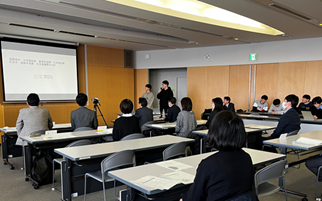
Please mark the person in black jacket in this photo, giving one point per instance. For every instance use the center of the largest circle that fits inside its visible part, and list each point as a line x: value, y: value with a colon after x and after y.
x: 165, y: 93
x: 143, y: 113
x: 126, y: 124
x: 173, y: 110
x: 289, y: 121
x: 228, y: 105
x: 229, y: 172
x: 217, y: 106
x: 316, y: 109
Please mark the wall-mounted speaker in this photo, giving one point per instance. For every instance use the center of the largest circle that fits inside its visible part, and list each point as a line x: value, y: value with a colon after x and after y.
x: 128, y: 59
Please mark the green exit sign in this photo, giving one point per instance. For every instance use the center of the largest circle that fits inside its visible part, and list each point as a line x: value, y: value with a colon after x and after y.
x: 253, y: 57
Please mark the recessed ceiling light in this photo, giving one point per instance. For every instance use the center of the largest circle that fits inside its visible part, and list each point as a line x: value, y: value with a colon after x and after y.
x: 200, y: 12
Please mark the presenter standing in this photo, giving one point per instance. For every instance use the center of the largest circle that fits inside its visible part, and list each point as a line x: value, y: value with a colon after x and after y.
x: 165, y: 93
x: 148, y: 95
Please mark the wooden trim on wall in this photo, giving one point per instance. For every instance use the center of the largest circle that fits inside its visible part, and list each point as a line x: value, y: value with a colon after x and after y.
x: 141, y: 78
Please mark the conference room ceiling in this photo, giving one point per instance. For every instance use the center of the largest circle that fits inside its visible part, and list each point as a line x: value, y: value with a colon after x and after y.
x: 103, y: 23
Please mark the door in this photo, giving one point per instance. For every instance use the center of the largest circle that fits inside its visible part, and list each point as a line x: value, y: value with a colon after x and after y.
x: 181, y: 90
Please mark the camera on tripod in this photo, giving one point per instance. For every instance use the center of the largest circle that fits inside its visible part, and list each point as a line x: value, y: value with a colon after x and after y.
x: 95, y: 101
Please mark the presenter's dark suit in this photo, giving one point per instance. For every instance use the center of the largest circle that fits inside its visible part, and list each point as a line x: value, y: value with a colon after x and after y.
x: 173, y: 112
x: 231, y: 107
x: 289, y: 121
x: 144, y: 114
x: 83, y: 117
x: 164, y: 97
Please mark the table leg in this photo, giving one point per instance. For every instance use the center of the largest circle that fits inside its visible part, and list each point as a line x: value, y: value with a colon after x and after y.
x: 281, y: 184
x: 66, y: 182
x: 130, y: 194
x: 201, y: 143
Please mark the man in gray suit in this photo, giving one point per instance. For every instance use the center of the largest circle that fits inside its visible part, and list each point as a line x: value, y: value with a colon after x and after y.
x: 33, y: 118
x: 83, y: 117
x: 143, y: 113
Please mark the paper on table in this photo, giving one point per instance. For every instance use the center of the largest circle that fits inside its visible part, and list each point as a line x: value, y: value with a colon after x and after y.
x: 174, y: 165
x: 107, y: 131
x: 258, y: 126
x: 182, y: 177
x: 307, y: 141
x: 156, y: 182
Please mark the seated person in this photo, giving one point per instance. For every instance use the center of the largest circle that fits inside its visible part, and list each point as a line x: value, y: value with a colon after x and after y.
x: 32, y: 119
x: 144, y: 113
x: 173, y: 110
x: 306, y: 104
x: 83, y: 117
x: 260, y: 105
x: 316, y: 109
x: 186, y: 120
x: 228, y: 172
x: 289, y: 121
x: 276, y: 106
x: 228, y: 105
x: 127, y: 124
x: 217, y: 106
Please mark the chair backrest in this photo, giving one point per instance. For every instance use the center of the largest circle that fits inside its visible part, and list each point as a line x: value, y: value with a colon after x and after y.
x: 83, y: 129
x: 144, y: 128
x: 248, y: 196
x: 293, y: 133
x: 175, y: 150
x: 133, y: 136
x: 117, y: 160
x: 39, y: 132
x: 273, y: 171
x: 79, y: 143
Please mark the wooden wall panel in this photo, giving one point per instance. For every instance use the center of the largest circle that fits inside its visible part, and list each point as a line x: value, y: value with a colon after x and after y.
x: 196, y: 89
x: 217, y: 83
x: 111, y: 85
x: 312, y: 79
x: 266, y: 82
x: 239, y: 86
x: 291, y: 77
x: 105, y: 57
x: 141, y: 78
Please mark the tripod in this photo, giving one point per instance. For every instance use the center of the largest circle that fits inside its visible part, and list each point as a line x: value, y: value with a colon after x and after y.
x: 95, y: 109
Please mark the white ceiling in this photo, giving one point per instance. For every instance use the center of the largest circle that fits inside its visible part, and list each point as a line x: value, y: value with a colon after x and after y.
x: 124, y: 27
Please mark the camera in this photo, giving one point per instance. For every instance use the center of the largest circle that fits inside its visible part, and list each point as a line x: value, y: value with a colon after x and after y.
x: 95, y: 100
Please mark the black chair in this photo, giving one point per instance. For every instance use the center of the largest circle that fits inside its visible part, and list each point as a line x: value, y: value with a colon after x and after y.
x: 60, y: 160
x: 175, y: 150
x: 133, y: 136
x: 118, y: 160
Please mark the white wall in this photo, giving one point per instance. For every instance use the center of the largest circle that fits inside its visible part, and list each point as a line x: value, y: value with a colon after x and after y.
x: 268, y: 52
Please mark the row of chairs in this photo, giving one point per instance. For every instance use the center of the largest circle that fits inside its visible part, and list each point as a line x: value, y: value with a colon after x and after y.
x: 118, y: 160
x: 127, y: 158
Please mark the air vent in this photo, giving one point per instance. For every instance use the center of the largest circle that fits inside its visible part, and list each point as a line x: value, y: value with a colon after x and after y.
x: 128, y: 41
x: 77, y: 34
x: 128, y: 59
x: 290, y: 11
x: 30, y: 27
